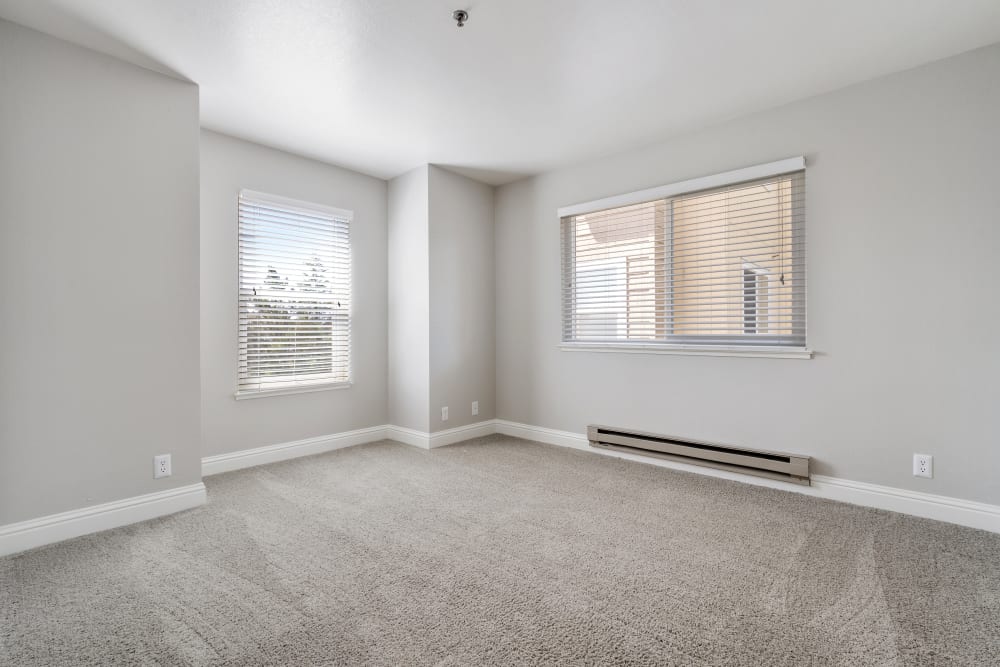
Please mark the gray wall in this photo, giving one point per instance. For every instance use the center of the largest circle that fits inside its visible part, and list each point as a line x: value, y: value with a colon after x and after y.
x: 227, y: 166
x: 441, y: 300
x: 98, y: 277
x: 462, y: 307
x: 409, y: 301
x: 903, y: 245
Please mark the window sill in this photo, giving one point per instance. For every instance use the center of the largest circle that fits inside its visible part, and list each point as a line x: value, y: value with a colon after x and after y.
x: 692, y: 350
x: 304, y: 389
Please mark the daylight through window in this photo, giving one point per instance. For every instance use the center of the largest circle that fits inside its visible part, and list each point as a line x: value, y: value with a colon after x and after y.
x: 718, y: 267
x: 294, y: 295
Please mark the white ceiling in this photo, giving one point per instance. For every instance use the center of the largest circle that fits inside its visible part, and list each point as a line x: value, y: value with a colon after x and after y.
x: 382, y: 86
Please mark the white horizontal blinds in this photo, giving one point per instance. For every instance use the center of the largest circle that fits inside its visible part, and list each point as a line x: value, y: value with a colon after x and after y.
x: 294, y: 294
x: 719, y: 267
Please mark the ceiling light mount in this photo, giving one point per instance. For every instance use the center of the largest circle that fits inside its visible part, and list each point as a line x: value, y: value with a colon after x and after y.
x: 460, y: 16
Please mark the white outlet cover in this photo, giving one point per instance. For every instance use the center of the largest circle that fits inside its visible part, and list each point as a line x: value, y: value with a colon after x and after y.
x: 161, y: 466
x: 444, y: 413
x: 923, y: 465
x: 475, y: 408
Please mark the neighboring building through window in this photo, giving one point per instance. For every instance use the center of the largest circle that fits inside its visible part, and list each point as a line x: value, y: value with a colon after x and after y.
x: 599, y: 317
x: 723, y: 266
x: 294, y: 295
x: 755, y: 298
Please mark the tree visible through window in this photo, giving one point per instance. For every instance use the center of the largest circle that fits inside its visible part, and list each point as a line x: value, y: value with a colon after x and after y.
x: 295, y: 289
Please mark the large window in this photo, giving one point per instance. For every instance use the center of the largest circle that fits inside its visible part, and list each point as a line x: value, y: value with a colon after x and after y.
x: 716, y: 263
x: 294, y: 296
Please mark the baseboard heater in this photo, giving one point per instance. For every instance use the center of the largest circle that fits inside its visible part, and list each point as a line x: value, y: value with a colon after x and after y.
x: 763, y: 463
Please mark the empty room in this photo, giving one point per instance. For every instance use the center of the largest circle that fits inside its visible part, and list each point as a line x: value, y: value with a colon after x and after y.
x: 499, y: 332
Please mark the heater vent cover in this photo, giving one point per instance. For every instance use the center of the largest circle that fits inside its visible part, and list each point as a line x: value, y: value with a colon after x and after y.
x: 763, y: 463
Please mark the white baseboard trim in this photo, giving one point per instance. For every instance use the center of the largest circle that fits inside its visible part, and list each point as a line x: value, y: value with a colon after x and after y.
x: 930, y: 506
x: 546, y: 435
x: 16, y: 537
x: 460, y: 433
x: 38, y: 532
x: 248, y: 458
x: 409, y: 436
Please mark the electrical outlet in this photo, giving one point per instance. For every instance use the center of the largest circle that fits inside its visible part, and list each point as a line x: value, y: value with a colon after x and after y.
x: 161, y: 466
x: 923, y: 465
x: 444, y: 413
x: 475, y: 408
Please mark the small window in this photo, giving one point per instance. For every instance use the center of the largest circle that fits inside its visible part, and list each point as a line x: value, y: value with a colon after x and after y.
x: 717, y: 267
x: 294, y: 296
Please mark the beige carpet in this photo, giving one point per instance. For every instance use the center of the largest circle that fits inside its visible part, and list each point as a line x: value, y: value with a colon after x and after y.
x: 500, y: 551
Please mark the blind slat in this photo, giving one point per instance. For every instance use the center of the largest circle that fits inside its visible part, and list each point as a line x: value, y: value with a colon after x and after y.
x: 723, y: 266
x: 294, y: 294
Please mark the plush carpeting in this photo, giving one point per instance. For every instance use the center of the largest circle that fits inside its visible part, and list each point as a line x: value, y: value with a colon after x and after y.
x: 501, y: 551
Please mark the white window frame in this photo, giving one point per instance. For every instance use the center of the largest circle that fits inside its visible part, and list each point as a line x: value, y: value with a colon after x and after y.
x: 720, y: 180
x: 305, y: 386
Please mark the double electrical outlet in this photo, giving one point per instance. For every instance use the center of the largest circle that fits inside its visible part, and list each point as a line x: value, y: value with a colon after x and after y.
x: 161, y: 466
x: 444, y: 411
x: 923, y: 465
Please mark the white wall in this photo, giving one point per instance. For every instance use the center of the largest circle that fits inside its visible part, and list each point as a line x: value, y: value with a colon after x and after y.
x: 462, y: 300
x: 98, y: 277
x: 903, y: 244
x: 227, y: 166
x: 409, y: 301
